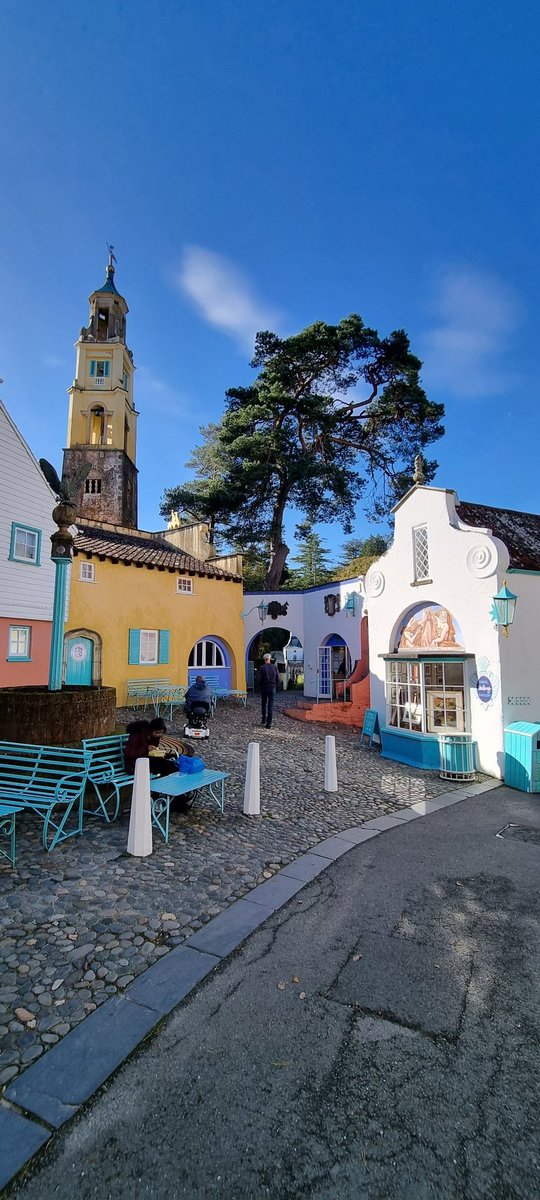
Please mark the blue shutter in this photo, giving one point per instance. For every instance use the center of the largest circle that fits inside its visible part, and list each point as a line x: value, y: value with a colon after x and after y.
x: 163, y: 653
x: 134, y: 646
x: 106, y: 367
x: 92, y: 366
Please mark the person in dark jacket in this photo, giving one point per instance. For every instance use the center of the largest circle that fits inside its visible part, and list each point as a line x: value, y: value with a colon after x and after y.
x: 267, y: 682
x: 198, y: 693
x: 142, y: 737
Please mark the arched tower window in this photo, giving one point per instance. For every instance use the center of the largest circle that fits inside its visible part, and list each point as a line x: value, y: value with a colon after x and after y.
x: 97, y: 426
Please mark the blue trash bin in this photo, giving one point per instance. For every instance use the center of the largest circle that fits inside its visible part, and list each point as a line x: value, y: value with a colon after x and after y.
x: 522, y: 756
x: 457, y: 753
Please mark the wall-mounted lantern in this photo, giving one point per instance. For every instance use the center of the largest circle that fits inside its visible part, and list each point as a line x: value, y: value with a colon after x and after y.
x: 262, y: 610
x: 504, y: 607
x: 352, y: 604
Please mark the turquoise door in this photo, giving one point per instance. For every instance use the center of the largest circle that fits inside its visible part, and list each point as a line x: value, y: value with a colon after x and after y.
x: 79, y: 661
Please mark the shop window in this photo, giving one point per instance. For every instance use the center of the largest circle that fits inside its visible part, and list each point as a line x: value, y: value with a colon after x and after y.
x: 426, y: 697
x: 421, y: 553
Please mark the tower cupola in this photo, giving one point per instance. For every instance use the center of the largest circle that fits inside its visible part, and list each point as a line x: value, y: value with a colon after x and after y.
x: 102, y: 422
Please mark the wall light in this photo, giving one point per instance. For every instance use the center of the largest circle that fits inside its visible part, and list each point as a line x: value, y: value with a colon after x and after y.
x: 504, y: 607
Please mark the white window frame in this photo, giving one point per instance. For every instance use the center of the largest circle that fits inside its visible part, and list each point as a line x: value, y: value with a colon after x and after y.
x: 147, y: 656
x: 19, y: 642
x: 416, y: 703
x: 27, y: 532
x: 197, y: 657
x: 184, y: 586
x: 87, y: 572
x: 420, y: 551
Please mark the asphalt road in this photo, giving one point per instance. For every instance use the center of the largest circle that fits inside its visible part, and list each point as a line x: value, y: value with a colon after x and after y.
x: 399, y: 1059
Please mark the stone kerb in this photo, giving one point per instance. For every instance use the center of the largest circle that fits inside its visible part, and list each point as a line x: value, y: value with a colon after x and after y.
x: 33, y: 714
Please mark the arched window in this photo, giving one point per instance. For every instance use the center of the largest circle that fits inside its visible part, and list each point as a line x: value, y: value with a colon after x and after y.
x: 97, y: 426
x: 206, y: 653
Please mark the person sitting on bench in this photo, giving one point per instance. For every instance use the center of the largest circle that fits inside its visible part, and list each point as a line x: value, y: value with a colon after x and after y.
x: 143, y: 738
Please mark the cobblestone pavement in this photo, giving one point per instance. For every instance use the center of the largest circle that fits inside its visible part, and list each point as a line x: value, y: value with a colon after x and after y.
x: 77, y: 925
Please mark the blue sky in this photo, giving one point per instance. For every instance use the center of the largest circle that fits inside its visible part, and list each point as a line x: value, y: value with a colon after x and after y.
x: 268, y: 164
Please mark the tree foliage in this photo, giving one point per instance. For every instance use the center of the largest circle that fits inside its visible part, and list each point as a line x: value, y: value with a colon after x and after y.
x: 311, y: 559
x: 335, y: 415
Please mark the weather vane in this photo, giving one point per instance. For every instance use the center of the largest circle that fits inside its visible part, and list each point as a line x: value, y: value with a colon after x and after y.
x: 112, y: 255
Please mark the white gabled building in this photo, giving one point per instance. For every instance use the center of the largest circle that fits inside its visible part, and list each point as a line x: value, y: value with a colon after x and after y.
x: 439, y: 663
x: 26, y: 570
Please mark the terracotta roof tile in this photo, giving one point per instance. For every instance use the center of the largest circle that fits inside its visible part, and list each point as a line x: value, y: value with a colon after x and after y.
x: 519, y: 531
x: 149, y: 551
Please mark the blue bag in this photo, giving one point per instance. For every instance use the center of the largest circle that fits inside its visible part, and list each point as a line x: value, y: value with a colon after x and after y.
x: 190, y: 766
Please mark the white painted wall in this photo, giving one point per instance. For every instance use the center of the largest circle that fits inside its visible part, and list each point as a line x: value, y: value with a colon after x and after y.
x: 467, y: 568
x: 26, y: 591
x: 307, y: 619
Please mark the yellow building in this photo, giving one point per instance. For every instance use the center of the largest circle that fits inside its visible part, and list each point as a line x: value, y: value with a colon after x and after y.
x: 143, y: 606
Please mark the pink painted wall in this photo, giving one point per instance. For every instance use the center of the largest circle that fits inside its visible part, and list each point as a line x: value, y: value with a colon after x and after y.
x: 16, y: 674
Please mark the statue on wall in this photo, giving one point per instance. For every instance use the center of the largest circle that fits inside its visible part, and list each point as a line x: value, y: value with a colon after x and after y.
x: 332, y: 604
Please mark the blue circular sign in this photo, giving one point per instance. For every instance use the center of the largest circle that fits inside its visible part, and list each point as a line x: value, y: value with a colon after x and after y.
x: 484, y: 689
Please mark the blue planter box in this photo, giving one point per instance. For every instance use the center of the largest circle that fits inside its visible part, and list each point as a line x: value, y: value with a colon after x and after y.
x: 414, y: 749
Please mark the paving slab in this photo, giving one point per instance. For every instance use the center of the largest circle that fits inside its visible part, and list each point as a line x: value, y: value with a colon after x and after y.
x: 222, y: 935
x: 275, y: 892
x: 307, y: 866
x: 359, y: 833
x: 55, y: 1086
x: 168, y: 981
x: 383, y: 822
x: 332, y: 848
x: 19, y: 1140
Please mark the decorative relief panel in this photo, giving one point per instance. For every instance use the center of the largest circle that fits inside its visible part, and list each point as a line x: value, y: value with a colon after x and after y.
x: 482, y: 560
x: 375, y: 583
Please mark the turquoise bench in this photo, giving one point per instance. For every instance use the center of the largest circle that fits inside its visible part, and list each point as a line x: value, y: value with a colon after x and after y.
x: 107, y: 773
x: 222, y: 694
x: 8, y: 813
x: 48, y: 780
x: 140, y: 692
x: 171, y: 786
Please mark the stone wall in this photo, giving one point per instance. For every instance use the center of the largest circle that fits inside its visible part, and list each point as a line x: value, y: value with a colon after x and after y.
x: 33, y: 714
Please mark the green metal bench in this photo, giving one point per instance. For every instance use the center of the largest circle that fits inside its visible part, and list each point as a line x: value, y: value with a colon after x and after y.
x: 48, y: 780
x: 141, y: 692
x: 108, y: 775
x: 8, y: 813
x: 169, y: 787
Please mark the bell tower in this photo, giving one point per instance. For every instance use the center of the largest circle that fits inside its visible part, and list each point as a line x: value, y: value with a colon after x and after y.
x: 102, y: 422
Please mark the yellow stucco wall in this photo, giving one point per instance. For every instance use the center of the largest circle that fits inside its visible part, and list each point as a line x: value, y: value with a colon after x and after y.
x: 130, y: 597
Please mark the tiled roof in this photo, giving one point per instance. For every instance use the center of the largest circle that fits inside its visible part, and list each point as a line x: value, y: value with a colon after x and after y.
x: 519, y: 531
x: 151, y: 551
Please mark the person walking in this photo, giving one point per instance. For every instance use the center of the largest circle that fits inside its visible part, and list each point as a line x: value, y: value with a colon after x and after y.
x: 267, y: 682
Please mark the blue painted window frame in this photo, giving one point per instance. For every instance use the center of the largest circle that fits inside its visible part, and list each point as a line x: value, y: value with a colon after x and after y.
x: 134, y: 647
x: 20, y: 657
x: 106, y: 367
x: 17, y: 526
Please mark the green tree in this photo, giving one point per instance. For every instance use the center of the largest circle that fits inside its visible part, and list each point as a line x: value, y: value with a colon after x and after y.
x: 336, y: 414
x: 355, y: 548
x: 208, y: 496
x: 312, y: 560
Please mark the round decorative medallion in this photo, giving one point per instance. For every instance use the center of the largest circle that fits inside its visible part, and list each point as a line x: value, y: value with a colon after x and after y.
x: 79, y: 652
x: 375, y: 582
x: 482, y: 560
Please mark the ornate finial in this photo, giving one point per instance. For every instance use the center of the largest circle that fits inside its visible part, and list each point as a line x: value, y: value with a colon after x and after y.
x: 419, y: 476
x: 112, y: 259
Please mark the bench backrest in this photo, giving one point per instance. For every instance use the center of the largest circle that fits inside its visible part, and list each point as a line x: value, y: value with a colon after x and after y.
x: 105, y: 751
x: 23, y: 764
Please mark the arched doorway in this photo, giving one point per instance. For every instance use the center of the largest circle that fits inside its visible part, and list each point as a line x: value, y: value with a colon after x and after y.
x: 211, y: 657
x: 82, y: 658
x: 334, y: 665
x: 287, y: 652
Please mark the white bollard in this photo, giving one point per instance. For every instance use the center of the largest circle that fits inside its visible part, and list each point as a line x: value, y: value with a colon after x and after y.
x: 252, y: 790
x: 330, y: 769
x: 140, y: 821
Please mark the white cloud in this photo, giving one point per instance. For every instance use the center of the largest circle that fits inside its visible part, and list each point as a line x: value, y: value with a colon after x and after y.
x: 476, y: 315
x: 224, y: 296
x: 157, y: 396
